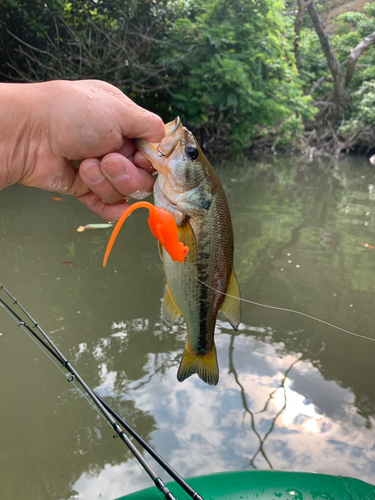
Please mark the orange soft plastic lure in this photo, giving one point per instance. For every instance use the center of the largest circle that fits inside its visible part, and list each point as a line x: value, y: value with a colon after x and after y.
x: 163, y: 227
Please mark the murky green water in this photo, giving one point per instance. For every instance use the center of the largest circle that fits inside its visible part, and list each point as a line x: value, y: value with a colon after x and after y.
x: 293, y: 393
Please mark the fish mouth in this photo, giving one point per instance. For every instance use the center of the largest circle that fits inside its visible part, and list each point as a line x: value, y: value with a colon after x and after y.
x: 156, y: 152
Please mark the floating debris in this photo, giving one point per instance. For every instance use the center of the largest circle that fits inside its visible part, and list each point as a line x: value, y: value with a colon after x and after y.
x: 103, y: 225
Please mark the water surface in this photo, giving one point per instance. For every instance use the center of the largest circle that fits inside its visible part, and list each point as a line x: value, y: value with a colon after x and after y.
x: 293, y: 394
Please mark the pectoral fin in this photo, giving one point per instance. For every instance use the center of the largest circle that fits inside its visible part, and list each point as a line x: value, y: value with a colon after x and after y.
x: 204, y: 365
x: 231, y: 307
x: 169, y: 309
x: 187, y: 236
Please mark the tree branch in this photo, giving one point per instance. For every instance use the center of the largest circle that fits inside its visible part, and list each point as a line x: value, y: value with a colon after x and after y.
x: 318, y: 83
x: 334, y: 66
x: 292, y: 8
x: 355, y: 54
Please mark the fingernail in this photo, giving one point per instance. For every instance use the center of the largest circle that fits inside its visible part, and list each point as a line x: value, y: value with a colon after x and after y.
x: 115, y: 170
x: 93, y: 172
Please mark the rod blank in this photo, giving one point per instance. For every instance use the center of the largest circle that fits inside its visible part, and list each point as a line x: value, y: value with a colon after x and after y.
x: 115, y: 420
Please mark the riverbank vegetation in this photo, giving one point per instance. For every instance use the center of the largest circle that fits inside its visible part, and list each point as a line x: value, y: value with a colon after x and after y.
x: 265, y: 74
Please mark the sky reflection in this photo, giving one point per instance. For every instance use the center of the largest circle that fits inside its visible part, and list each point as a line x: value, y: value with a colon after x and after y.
x: 271, y: 411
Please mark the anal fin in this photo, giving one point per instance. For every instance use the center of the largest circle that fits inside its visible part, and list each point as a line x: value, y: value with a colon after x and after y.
x: 231, y: 307
x: 169, y: 309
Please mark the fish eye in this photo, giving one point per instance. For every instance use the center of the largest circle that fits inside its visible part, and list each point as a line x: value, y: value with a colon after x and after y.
x: 192, y: 152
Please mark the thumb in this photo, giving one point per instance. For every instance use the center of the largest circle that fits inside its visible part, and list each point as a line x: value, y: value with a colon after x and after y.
x: 136, y: 122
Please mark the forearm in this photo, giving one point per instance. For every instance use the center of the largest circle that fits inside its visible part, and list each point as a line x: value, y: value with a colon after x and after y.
x: 20, y: 125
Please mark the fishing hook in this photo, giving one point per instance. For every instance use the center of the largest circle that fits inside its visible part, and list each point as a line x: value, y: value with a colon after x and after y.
x: 160, y: 152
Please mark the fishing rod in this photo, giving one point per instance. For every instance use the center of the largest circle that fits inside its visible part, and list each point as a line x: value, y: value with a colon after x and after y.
x: 115, y: 421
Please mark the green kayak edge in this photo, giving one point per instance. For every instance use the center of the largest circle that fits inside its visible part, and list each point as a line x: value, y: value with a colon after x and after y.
x: 266, y: 485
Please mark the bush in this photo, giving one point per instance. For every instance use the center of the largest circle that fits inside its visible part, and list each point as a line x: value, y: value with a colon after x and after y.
x: 237, y: 70
x: 359, y: 130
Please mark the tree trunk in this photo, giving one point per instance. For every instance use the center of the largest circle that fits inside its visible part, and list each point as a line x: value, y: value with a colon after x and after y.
x: 334, y: 67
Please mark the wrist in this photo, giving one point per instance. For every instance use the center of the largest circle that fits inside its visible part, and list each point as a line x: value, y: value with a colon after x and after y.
x: 21, y: 125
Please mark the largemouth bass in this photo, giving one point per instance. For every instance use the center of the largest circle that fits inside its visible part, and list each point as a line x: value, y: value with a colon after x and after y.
x: 205, y: 283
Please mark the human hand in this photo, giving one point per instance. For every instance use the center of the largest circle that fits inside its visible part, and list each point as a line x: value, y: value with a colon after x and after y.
x: 92, y: 122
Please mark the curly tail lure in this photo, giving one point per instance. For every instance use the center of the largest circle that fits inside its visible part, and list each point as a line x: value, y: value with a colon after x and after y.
x: 162, y: 226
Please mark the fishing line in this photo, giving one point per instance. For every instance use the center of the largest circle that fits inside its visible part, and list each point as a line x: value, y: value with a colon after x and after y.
x: 22, y: 325
x: 100, y: 406
x: 286, y: 310
x: 24, y: 328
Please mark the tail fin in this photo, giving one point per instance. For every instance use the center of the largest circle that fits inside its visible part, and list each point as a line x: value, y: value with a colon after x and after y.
x: 204, y: 365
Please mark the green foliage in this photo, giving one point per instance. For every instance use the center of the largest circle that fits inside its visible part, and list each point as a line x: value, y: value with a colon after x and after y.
x: 360, y: 22
x: 227, y: 68
x: 234, y: 69
x: 370, y: 9
x: 360, y: 128
x: 113, y: 41
x: 290, y: 132
x: 27, y: 20
x: 311, y: 61
x: 353, y: 28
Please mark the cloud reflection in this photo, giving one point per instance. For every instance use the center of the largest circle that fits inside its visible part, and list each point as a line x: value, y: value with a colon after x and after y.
x: 269, y: 411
